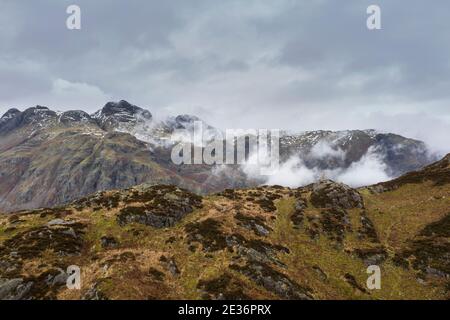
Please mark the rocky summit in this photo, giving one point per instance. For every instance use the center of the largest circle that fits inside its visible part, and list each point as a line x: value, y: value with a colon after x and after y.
x: 51, y: 158
x: 268, y: 242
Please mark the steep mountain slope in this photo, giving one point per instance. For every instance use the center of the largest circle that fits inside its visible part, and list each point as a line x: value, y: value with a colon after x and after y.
x: 50, y: 158
x: 162, y: 242
x: 331, y: 150
x: 438, y: 173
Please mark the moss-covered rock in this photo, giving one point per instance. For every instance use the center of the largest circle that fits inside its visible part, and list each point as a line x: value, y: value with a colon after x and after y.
x: 163, y: 206
x: 66, y: 240
x: 429, y: 251
x: 329, y: 194
x: 208, y: 233
x: 335, y: 222
x: 299, y: 212
x: 255, y: 223
x: 272, y: 280
x: 367, y: 229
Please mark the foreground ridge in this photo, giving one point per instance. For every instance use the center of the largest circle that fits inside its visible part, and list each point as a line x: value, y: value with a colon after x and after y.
x: 268, y: 242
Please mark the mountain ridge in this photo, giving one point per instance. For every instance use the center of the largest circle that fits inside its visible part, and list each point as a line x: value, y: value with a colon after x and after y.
x: 72, y: 154
x: 268, y: 242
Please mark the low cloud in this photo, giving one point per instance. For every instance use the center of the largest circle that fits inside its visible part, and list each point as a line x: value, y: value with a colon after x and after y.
x: 324, y: 149
x: 292, y: 173
x: 370, y: 169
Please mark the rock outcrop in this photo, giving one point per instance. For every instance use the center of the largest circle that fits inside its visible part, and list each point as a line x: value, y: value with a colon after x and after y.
x: 329, y: 194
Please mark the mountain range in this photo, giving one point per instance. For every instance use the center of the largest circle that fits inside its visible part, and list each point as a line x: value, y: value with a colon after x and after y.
x: 51, y: 158
x: 100, y: 192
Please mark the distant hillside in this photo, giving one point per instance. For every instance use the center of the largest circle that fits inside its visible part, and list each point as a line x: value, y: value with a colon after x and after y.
x: 50, y: 158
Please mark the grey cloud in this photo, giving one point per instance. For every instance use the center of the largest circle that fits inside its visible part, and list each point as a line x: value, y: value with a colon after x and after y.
x: 413, y: 42
x: 287, y: 64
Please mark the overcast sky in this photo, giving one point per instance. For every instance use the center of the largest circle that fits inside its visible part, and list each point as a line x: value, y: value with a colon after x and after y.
x: 299, y: 65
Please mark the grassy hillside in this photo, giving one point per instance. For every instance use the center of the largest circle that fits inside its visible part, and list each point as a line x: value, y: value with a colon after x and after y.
x: 162, y: 242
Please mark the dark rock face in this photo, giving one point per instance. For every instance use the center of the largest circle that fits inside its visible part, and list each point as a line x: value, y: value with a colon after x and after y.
x: 258, y: 261
x: 37, y: 114
x: 146, y: 215
x: 14, y: 119
x: 75, y: 116
x: 258, y: 258
x: 44, y: 286
x: 208, y: 233
x: 273, y: 281
x: 11, y: 113
x: 402, y: 155
x: 63, y: 240
x: 329, y: 194
x: 113, y: 108
x: 260, y: 251
x: 335, y: 222
x: 114, y: 114
x: 256, y: 224
x: 164, y: 207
